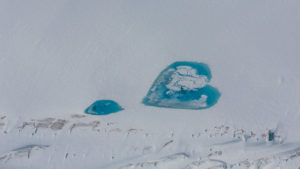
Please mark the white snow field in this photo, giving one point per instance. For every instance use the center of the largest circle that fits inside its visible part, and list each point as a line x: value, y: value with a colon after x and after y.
x: 59, y: 56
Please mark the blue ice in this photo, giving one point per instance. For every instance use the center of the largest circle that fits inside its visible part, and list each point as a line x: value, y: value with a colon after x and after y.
x: 103, y: 107
x: 183, y: 85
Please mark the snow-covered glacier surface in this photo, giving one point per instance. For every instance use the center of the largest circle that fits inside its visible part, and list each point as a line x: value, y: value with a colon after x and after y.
x: 59, y: 56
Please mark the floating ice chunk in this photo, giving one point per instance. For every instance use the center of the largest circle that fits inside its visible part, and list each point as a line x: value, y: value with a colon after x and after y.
x: 103, y: 107
x: 183, y: 85
x: 186, y: 78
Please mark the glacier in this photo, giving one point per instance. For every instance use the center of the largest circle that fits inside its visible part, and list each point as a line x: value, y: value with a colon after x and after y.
x: 57, y: 57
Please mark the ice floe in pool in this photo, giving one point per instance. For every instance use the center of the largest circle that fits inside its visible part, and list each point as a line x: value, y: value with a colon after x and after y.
x: 183, y: 85
x: 103, y: 107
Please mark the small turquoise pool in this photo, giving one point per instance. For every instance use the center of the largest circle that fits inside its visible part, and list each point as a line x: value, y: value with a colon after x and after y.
x: 183, y: 85
x: 103, y: 107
